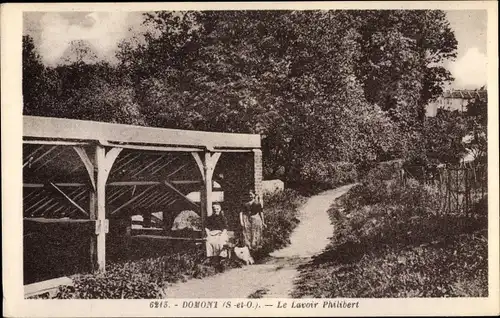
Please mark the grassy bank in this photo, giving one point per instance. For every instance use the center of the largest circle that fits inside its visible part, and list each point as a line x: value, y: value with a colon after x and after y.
x: 281, y: 217
x: 389, y: 241
x: 152, y: 266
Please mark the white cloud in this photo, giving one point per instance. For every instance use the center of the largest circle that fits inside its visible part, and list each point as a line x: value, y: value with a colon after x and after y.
x: 470, y: 71
x: 102, y: 30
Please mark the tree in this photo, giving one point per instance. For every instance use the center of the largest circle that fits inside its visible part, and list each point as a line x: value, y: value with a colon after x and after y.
x: 80, y: 87
x: 284, y: 74
x: 477, y: 125
x: 40, y: 84
x: 444, y: 136
x: 401, y: 62
x: 321, y: 87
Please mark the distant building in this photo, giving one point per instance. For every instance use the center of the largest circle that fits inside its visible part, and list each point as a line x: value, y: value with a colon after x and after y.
x: 455, y: 100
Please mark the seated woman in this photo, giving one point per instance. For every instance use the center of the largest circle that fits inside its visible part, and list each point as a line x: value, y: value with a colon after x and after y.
x: 216, y: 229
x: 216, y: 221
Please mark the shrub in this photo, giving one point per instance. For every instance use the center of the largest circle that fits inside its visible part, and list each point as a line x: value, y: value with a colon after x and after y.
x: 457, y: 269
x: 321, y: 175
x: 391, y: 241
x: 143, y: 279
x: 280, y: 213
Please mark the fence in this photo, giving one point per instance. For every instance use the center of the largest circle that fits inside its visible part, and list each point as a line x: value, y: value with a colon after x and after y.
x: 458, y: 187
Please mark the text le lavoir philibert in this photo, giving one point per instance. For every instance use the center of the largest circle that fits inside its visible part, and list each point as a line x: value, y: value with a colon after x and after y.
x: 318, y: 304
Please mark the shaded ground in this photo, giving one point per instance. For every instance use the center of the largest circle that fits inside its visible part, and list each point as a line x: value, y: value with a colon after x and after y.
x: 274, y: 278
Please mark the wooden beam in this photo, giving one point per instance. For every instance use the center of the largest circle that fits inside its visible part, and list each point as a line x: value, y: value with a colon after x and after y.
x: 124, y: 205
x: 214, y: 158
x: 47, y: 286
x: 167, y: 238
x: 166, y: 200
x: 87, y: 163
x: 152, y: 148
x: 113, y: 184
x: 199, y: 163
x: 28, y: 162
x: 100, y: 213
x: 123, y: 165
x: 147, y: 166
x: 43, y: 155
x: 164, y: 165
x: 161, y: 197
x: 34, y: 205
x: 147, y: 197
x: 59, y: 184
x: 46, y: 220
x: 209, y: 167
x: 110, y: 158
x: 179, y: 193
x: 77, y: 130
x: 54, y: 142
x: 79, y: 208
x: 38, y: 208
x: 177, y: 170
x: 186, y: 181
x: 93, y: 238
x: 32, y: 199
x: 116, y: 194
x: 217, y: 149
x: 31, y: 156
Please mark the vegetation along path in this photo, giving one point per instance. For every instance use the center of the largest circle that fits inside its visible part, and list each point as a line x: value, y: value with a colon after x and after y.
x: 275, y: 277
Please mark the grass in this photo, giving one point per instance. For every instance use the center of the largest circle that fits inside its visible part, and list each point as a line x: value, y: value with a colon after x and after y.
x: 390, y: 242
x: 281, y: 216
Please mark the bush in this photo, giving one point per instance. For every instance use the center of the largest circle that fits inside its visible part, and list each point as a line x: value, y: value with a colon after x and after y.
x: 457, y: 269
x: 322, y: 175
x: 391, y: 240
x: 143, y: 279
x: 280, y: 213
x: 147, y: 278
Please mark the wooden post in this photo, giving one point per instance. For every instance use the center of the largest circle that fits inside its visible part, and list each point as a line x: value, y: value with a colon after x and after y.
x: 206, y: 164
x: 93, y: 238
x: 257, y: 174
x: 207, y: 190
x: 103, y: 163
x: 100, y: 158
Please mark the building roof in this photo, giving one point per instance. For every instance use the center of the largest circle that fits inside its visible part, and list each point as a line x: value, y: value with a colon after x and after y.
x: 70, y: 129
x: 465, y: 94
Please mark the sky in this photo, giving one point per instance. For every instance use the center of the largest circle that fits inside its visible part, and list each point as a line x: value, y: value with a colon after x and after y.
x: 54, y: 31
x: 470, y: 67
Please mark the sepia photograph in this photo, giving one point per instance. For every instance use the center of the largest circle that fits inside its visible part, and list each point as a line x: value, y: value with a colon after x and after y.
x: 215, y: 158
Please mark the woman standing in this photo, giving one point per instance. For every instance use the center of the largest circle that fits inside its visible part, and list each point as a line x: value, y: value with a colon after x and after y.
x: 252, y: 222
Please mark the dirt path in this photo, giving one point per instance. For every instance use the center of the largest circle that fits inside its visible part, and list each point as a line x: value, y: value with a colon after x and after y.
x: 274, y: 278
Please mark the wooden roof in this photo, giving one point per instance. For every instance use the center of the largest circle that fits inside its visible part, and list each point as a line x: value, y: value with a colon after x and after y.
x: 81, y: 130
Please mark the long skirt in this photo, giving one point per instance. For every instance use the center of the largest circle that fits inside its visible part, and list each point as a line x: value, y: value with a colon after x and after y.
x: 252, y: 231
x: 216, y: 240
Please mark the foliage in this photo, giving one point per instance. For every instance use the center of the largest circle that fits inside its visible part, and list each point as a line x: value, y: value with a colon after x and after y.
x: 390, y: 241
x: 400, y: 67
x: 477, y: 124
x: 316, y: 176
x: 281, y: 217
x: 143, y: 278
x: 434, y: 270
x: 443, y: 137
x: 342, y: 86
x: 145, y: 271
